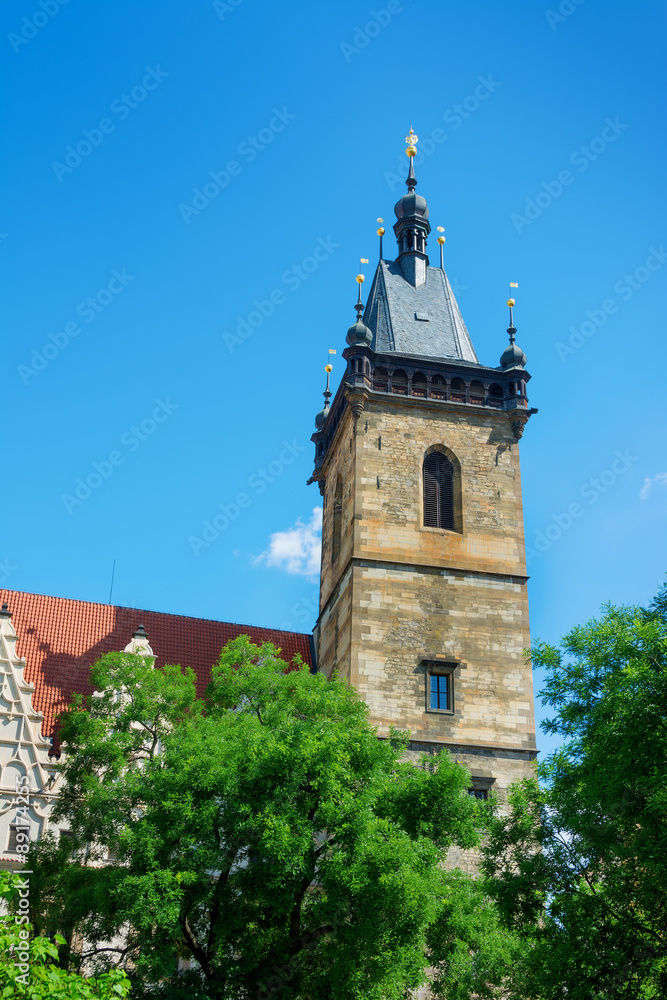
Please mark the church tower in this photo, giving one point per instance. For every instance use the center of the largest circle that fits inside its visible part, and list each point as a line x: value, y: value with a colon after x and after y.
x: 423, y: 604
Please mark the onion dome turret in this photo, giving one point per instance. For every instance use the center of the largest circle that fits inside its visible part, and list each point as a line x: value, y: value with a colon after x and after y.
x: 512, y: 356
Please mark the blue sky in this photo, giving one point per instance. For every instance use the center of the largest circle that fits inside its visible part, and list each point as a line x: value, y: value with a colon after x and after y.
x: 131, y: 301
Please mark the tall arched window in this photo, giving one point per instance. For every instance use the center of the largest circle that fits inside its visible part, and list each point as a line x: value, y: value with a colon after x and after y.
x: 438, y: 491
x: 337, y: 519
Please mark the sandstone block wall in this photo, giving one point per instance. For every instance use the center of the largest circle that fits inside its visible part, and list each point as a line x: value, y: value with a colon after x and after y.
x: 400, y: 594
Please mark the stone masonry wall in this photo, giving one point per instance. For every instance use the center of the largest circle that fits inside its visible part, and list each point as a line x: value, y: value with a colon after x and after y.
x: 401, y: 593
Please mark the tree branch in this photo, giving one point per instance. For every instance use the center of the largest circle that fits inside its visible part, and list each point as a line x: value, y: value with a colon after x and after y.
x: 214, y: 912
x: 327, y: 843
x: 97, y: 951
x: 582, y: 871
x: 256, y: 711
x: 308, y: 938
x: 196, y: 948
x: 295, y: 916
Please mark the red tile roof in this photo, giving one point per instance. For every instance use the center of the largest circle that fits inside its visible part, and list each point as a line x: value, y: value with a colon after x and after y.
x: 61, y: 639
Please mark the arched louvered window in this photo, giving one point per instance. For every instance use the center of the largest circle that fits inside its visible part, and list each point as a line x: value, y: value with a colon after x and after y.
x: 418, y: 384
x: 399, y: 382
x: 476, y: 392
x: 337, y: 519
x: 438, y: 491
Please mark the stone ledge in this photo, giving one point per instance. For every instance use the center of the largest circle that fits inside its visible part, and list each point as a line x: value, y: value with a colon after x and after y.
x: 473, y: 749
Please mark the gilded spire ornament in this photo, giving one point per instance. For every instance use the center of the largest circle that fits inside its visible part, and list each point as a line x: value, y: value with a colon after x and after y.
x: 411, y: 151
x: 321, y: 417
x: 513, y: 356
x: 380, y: 232
x: 441, y: 241
x: 412, y: 141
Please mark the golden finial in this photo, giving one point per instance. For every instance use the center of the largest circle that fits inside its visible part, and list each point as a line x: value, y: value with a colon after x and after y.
x: 441, y: 240
x: 360, y: 279
x: 412, y: 141
x: 380, y: 231
x: 328, y: 369
x: 511, y: 302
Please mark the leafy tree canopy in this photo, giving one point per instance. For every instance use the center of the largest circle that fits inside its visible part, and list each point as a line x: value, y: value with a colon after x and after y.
x: 580, y: 866
x: 29, y: 967
x: 266, y: 837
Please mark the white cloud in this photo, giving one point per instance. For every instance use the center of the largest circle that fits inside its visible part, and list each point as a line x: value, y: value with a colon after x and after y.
x: 659, y: 480
x: 297, y: 549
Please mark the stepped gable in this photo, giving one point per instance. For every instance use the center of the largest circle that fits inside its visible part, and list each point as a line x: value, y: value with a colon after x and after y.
x: 62, y: 638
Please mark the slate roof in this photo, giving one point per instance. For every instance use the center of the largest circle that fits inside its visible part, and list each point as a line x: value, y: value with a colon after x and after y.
x: 391, y: 314
x: 62, y: 638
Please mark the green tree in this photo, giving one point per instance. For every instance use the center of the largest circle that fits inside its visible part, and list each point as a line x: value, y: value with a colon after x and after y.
x: 580, y: 866
x: 268, y: 836
x: 29, y: 967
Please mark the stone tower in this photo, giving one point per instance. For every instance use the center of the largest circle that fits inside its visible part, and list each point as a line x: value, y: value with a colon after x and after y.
x: 423, y: 604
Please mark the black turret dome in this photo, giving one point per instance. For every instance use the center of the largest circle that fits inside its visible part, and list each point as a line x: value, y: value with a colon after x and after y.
x: 411, y: 205
x: 359, y: 335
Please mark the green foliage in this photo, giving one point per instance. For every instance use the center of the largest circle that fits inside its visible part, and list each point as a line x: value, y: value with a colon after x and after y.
x: 28, y: 963
x: 267, y: 835
x: 580, y: 866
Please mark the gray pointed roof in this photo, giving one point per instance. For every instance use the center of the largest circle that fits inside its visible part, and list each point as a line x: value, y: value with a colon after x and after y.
x: 423, y: 321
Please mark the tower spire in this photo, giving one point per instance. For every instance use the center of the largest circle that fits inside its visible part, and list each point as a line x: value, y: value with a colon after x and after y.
x: 441, y: 243
x: 321, y: 417
x: 380, y: 233
x: 358, y: 305
x: 512, y: 356
x: 359, y: 335
x: 412, y: 226
x: 411, y: 151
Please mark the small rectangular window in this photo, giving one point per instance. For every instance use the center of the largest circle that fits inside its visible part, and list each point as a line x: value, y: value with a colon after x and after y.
x: 440, y: 685
x: 481, y: 787
x: 439, y: 691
